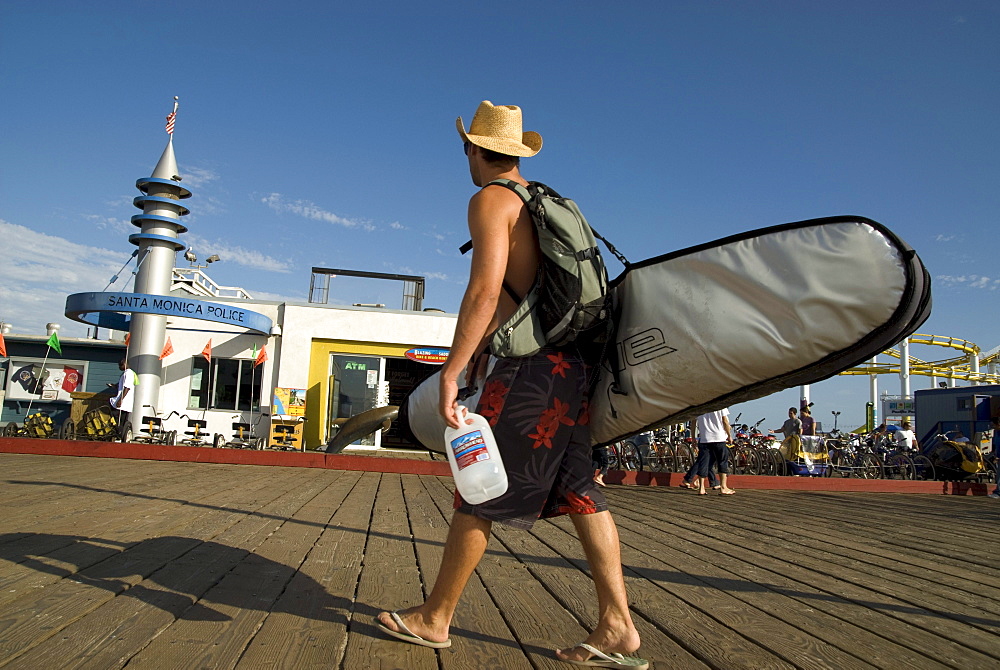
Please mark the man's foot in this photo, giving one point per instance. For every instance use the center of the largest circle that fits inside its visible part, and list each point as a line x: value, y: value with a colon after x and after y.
x: 411, y: 626
x: 599, y: 480
x: 994, y: 495
x: 624, y: 644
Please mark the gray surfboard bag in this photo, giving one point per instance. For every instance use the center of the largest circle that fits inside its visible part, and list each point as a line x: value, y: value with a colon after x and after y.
x: 738, y: 319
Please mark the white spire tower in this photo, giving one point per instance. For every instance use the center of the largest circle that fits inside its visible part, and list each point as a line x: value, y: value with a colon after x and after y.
x: 158, y: 245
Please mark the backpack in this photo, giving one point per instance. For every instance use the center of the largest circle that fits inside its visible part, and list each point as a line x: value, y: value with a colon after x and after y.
x: 568, y: 302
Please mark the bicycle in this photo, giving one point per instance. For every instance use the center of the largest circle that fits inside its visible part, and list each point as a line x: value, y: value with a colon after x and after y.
x: 660, y: 456
x: 243, y: 435
x: 196, y: 436
x: 37, y: 425
x: 98, y: 425
x: 285, y: 435
x: 624, y: 456
x: 853, y: 458
x: 153, y: 433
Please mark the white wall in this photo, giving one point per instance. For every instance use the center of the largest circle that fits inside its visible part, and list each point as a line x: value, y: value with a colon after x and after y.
x: 288, y: 354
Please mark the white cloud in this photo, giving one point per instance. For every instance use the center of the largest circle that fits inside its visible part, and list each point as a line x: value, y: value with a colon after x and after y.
x: 250, y: 258
x: 944, y: 238
x: 971, y: 281
x: 195, y: 177
x: 310, y: 210
x: 396, y: 225
x: 40, y: 270
x: 111, y: 223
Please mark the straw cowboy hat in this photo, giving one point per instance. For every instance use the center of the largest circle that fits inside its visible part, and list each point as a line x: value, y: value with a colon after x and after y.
x: 498, y: 128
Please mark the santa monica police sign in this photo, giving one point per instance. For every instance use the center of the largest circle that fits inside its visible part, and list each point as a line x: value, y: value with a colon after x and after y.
x: 110, y: 310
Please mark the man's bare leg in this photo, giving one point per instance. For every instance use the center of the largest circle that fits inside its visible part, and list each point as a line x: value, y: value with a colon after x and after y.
x: 615, y: 631
x: 464, y: 548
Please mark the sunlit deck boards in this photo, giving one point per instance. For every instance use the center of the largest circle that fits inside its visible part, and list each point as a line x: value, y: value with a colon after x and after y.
x: 107, y: 563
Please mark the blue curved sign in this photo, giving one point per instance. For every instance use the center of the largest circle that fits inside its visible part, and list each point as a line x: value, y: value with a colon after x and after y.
x: 110, y: 310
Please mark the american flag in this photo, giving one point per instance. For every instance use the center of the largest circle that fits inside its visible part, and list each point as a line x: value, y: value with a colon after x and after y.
x: 170, y: 122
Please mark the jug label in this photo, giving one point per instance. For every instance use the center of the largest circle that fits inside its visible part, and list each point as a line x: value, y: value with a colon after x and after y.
x: 469, y: 448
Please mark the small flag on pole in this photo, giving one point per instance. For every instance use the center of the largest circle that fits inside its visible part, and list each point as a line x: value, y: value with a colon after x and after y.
x: 53, y: 342
x: 207, y: 351
x: 128, y: 338
x: 171, y: 117
x: 168, y: 349
x: 261, y: 357
x: 3, y: 346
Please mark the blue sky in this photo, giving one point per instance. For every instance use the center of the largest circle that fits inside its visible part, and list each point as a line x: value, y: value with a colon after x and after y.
x: 313, y: 135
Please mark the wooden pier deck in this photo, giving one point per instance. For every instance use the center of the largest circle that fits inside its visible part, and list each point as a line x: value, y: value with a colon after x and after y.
x: 109, y: 563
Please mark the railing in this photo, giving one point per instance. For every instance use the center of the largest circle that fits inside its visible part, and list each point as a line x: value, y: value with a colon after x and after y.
x: 202, y: 284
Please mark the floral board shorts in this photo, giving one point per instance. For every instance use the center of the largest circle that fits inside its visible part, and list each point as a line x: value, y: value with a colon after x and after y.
x: 537, y: 407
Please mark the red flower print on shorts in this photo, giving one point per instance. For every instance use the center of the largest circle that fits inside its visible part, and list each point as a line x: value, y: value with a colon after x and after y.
x: 561, y: 365
x: 549, y: 422
x: 492, y: 401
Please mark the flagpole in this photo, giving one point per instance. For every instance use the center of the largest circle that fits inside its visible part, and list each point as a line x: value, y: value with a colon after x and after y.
x: 41, y: 375
x: 253, y: 371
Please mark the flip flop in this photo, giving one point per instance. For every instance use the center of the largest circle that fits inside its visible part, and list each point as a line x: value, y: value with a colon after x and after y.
x: 602, y: 660
x: 728, y: 493
x: 406, y: 635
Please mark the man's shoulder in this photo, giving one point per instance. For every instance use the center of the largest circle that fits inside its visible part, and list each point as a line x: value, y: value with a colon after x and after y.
x: 496, y: 193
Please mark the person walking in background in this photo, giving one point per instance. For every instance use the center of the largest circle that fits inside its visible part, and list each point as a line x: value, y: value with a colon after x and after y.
x: 996, y: 455
x: 124, y: 398
x: 714, y: 434
x: 601, y: 462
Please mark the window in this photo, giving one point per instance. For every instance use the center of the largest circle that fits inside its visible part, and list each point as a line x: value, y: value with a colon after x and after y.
x: 232, y: 384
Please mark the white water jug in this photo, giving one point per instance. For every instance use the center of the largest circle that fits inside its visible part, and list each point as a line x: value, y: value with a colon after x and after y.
x: 474, y: 459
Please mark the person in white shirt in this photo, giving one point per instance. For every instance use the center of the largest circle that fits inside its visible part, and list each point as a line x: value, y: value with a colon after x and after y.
x: 904, y: 437
x: 714, y: 433
x: 124, y: 396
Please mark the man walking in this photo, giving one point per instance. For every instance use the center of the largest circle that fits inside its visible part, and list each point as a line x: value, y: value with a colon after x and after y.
x: 535, y: 404
x: 124, y: 398
x: 714, y: 435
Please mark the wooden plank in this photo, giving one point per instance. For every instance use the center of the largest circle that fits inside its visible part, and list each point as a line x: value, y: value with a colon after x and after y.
x: 952, y: 640
x: 541, y: 623
x: 390, y: 578
x: 307, y: 627
x: 951, y: 585
x: 32, y: 618
x: 116, y: 631
x: 481, y: 637
x: 571, y: 584
x: 889, y: 577
x: 42, y: 558
x: 797, y: 604
x: 230, y: 612
x: 676, y: 603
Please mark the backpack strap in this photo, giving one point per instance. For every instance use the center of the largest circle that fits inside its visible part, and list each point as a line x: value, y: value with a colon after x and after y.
x: 513, y: 186
x: 525, y: 196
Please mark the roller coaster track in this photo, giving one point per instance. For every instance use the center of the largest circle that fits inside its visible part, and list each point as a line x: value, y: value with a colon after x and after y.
x: 959, y: 367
